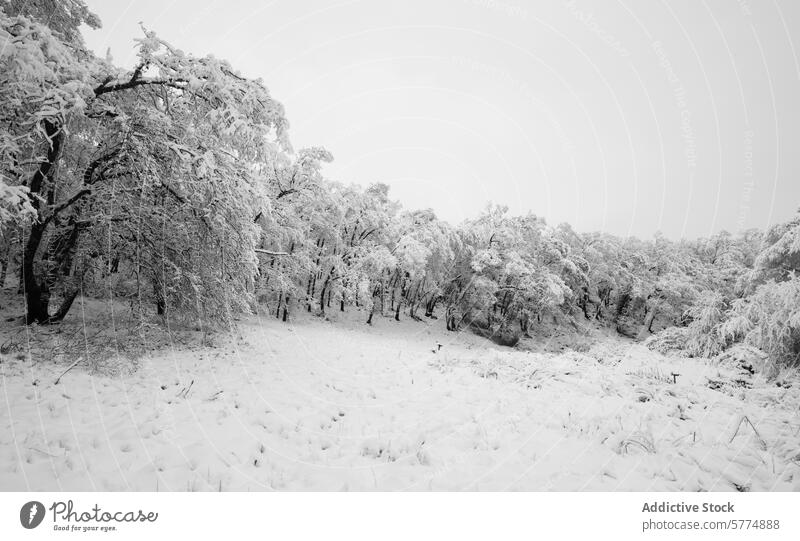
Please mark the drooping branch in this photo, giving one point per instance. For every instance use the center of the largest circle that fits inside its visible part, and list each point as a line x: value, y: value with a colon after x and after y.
x: 67, y: 203
x: 106, y: 87
x: 90, y: 177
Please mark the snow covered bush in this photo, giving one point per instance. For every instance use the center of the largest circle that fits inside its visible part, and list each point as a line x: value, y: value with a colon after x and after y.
x: 769, y: 317
x: 747, y: 359
x: 780, y: 258
x: 769, y: 320
x: 703, y: 334
x: 670, y: 341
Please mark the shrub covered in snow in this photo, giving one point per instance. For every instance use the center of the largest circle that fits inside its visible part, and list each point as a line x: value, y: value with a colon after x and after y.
x: 747, y: 359
x: 703, y: 333
x: 769, y: 320
x: 672, y: 340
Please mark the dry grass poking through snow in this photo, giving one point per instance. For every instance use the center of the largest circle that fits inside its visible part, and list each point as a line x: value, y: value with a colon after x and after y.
x: 323, y: 406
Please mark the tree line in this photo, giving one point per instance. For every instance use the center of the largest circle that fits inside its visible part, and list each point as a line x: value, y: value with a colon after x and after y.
x: 174, y: 185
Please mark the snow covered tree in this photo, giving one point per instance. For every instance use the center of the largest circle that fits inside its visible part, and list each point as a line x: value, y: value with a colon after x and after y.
x: 704, y: 332
x: 64, y: 17
x: 509, y: 271
x: 780, y: 257
x: 769, y: 319
x: 99, y: 149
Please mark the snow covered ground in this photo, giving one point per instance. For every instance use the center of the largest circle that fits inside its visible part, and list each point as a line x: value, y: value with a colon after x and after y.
x: 316, y: 405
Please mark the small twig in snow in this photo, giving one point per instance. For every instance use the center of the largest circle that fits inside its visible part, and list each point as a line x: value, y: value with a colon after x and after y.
x: 44, y: 452
x: 183, y: 393
x: 214, y: 396
x: 70, y: 367
x: 744, y: 418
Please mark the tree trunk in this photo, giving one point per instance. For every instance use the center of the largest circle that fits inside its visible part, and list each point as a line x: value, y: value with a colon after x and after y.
x: 161, y: 304
x: 431, y: 306
x: 37, y: 294
x: 322, y: 297
x: 451, y: 321
x: 66, y: 304
x: 649, y: 319
x: 3, y: 273
x: 376, y: 293
x: 622, y: 303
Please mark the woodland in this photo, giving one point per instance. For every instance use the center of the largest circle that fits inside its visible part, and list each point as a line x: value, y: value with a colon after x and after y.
x: 173, y: 187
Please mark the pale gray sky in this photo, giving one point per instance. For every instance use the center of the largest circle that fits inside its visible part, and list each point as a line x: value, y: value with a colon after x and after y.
x: 617, y: 115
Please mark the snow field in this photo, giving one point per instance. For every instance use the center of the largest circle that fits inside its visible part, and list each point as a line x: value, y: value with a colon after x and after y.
x: 323, y: 406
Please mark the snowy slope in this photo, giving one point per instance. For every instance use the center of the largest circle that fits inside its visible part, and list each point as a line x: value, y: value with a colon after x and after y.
x: 317, y: 405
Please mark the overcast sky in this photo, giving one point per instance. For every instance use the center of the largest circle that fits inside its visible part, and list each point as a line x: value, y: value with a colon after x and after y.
x: 625, y: 116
